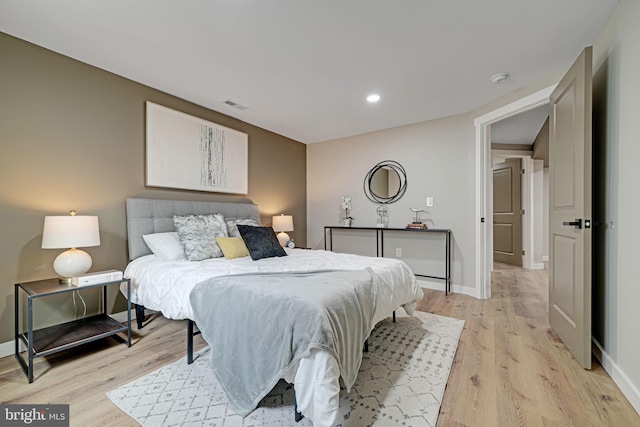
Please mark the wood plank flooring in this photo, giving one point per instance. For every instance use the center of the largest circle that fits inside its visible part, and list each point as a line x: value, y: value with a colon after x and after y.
x: 510, y: 368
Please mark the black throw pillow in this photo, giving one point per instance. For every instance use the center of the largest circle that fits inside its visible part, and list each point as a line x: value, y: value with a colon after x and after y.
x: 261, y: 242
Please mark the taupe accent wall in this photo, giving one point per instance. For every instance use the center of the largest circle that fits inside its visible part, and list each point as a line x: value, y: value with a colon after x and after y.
x: 72, y: 136
x: 541, y: 144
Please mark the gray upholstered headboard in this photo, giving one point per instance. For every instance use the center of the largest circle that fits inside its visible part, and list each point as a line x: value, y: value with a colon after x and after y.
x: 147, y: 216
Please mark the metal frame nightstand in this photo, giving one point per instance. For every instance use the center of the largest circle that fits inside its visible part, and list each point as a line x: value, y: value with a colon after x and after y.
x: 53, y: 339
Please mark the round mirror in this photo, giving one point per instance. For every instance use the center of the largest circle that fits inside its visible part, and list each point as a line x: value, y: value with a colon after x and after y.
x: 386, y: 182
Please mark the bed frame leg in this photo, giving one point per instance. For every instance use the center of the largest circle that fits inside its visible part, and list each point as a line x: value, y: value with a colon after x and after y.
x: 140, y: 315
x: 190, y: 334
x: 297, y: 415
x: 366, y: 346
x: 190, y: 342
x: 394, y: 316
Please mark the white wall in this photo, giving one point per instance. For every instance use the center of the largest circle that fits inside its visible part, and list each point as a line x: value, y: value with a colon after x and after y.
x: 616, y: 285
x: 545, y: 214
x: 538, y: 213
x: 438, y: 158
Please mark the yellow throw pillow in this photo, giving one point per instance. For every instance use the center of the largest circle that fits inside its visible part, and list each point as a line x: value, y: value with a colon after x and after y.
x: 232, y: 247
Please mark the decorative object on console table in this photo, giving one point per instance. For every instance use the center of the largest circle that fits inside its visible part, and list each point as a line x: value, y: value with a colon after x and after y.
x: 383, y: 217
x: 415, y: 226
x: 73, y: 231
x: 282, y: 223
x: 346, y: 205
x: 416, y: 220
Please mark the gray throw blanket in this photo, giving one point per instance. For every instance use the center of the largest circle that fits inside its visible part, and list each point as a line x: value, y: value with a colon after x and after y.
x: 259, y: 325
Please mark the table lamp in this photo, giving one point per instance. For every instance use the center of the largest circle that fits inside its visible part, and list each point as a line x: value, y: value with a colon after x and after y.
x: 282, y: 223
x: 72, y: 231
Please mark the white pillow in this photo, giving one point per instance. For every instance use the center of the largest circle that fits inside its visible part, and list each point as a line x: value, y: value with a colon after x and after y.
x: 166, y: 246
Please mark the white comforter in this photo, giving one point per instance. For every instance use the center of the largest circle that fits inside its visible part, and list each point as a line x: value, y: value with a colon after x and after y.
x: 165, y: 286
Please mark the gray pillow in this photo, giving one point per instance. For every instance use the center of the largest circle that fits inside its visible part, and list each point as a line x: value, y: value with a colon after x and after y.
x: 232, y: 225
x: 261, y: 242
x: 198, y: 235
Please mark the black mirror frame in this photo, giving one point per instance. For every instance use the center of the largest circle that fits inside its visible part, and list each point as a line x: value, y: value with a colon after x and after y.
x: 402, y: 175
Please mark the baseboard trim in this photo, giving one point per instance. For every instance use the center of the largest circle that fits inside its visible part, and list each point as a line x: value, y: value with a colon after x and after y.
x: 436, y: 285
x: 439, y: 286
x: 545, y: 258
x: 472, y: 292
x: 537, y: 266
x: 629, y: 390
x: 8, y: 348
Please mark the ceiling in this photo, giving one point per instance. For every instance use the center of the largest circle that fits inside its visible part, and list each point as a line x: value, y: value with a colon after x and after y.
x: 520, y: 129
x: 304, y: 68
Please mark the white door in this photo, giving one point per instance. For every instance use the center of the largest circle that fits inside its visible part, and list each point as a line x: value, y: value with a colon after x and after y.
x: 570, y: 209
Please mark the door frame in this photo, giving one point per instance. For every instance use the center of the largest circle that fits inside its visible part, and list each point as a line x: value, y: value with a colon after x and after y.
x: 484, y: 186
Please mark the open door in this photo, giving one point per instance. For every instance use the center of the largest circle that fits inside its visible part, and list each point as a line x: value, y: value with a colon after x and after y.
x: 570, y: 209
x: 507, y: 212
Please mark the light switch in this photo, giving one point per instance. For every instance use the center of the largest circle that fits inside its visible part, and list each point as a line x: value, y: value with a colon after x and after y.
x: 429, y: 201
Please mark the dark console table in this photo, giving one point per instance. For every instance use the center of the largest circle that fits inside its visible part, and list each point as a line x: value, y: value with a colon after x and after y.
x: 328, y: 245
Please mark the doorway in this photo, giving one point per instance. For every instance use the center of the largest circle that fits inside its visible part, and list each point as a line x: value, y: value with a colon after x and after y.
x: 484, y: 187
x: 518, y: 187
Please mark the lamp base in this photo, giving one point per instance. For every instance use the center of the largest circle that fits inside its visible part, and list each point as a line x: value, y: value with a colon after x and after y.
x: 65, y: 280
x: 73, y: 262
x: 283, y: 238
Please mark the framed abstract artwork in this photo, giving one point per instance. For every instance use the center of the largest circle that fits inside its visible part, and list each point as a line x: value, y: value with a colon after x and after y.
x: 190, y: 153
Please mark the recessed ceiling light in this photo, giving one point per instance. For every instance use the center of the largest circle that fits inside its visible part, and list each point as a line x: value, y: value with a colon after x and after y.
x: 499, y: 78
x: 373, y: 98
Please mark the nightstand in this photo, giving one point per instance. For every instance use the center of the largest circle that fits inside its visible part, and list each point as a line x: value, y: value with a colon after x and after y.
x: 53, y: 339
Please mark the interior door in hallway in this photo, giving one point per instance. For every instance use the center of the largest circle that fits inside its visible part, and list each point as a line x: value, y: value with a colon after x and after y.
x: 570, y: 170
x: 507, y: 213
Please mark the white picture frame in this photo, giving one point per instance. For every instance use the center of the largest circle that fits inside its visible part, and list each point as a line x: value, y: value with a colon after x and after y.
x: 190, y: 153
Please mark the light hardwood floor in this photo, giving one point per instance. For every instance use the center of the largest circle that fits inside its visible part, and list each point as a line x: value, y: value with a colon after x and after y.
x: 510, y: 368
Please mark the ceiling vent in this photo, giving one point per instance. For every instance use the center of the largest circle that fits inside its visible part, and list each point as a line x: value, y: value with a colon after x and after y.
x: 235, y: 105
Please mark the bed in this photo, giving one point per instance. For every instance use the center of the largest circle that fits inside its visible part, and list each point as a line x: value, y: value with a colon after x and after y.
x: 166, y: 286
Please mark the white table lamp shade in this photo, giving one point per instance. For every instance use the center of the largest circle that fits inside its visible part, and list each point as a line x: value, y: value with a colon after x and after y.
x: 73, y: 231
x: 78, y: 231
x: 282, y: 223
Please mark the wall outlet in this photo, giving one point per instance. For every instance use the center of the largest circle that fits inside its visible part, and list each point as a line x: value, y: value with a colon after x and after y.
x: 429, y: 201
x: 398, y: 252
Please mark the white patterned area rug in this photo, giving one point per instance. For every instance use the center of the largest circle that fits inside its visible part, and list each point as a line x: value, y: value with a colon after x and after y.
x: 401, y: 383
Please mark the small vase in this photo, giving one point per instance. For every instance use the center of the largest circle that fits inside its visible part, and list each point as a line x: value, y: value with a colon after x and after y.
x: 347, y: 222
